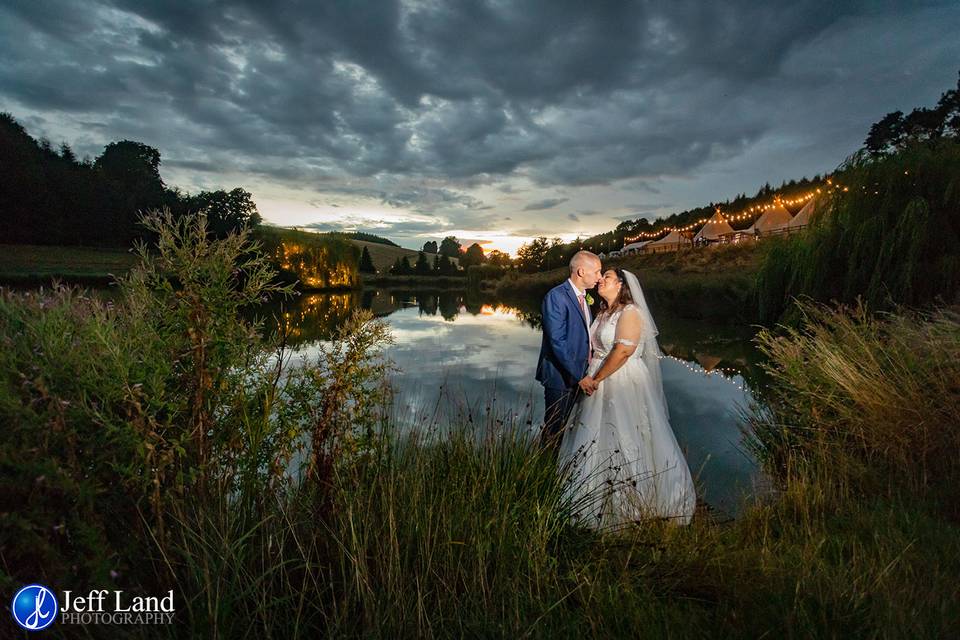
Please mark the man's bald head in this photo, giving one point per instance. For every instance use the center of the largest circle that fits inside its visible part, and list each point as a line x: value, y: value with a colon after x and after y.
x: 583, y: 260
x: 585, y: 269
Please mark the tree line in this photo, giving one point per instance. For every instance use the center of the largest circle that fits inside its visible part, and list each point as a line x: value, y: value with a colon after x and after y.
x: 49, y: 196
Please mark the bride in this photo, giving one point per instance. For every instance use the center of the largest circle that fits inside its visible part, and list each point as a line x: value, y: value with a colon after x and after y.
x: 618, y: 451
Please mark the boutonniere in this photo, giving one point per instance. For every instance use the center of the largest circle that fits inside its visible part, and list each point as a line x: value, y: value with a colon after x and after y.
x: 589, y: 299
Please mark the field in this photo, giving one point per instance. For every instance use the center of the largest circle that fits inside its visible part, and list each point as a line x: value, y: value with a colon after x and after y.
x: 29, y: 263
x: 384, y: 255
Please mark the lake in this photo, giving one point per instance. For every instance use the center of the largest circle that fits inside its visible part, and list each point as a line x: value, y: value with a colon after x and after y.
x: 471, y: 354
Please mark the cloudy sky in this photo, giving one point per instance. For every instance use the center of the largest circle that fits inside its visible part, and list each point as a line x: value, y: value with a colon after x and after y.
x: 492, y: 121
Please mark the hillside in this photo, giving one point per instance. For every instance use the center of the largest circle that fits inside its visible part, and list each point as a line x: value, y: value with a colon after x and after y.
x: 384, y: 256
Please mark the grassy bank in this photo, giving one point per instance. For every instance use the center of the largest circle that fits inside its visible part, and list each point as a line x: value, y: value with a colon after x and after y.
x: 422, y: 526
x: 712, y: 283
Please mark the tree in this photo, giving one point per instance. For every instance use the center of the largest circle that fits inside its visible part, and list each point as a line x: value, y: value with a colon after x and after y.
x: 445, y: 266
x: 401, y: 267
x: 532, y: 256
x: 885, y: 134
x: 67, y: 154
x: 473, y: 255
x: 366, y: 262
x: 225, y: 211
x: 450, y: 247
x: 430, y: 247
x: 133, y: 164
x: 422, y: 267
x: 498, y: 259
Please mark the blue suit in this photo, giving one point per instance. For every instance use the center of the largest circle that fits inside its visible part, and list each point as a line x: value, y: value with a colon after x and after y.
x: 564, y: 355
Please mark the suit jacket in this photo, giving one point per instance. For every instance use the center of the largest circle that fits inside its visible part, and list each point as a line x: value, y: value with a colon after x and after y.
x: 565, y: 349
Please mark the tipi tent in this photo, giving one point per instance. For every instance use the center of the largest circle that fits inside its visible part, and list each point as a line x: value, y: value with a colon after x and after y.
x: 802, y: 218
x: 633, y: 247
x: 671, y: 241
x: 713, y: 228
x: 774, y: 219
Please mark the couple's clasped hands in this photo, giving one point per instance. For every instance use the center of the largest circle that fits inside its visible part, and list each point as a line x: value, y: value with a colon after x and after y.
x: 588, y: 385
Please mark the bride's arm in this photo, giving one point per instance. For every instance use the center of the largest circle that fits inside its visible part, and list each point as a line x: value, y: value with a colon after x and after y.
x: 625, y: 343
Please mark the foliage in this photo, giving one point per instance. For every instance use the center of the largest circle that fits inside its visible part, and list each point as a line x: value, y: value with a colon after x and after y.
x: 401, y: 267
x: 472, y: 256
x: 498, y: 258
x: 121, y: 416
x: 718, y: 284
x: 342, y: 393
x: 226, y: 211
x: 430, y: 246
x: 52, y: 198
x: 366, y: 262
x: 316, y: 261
x: 870, y: 401
x: 444, y: 266
x: 892, y: 238
x: 894, y: 132
x: 422, y: 267
x: 450, y: 247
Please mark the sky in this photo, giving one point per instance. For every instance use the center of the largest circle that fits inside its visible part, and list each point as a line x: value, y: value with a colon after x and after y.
x: 495, y: 122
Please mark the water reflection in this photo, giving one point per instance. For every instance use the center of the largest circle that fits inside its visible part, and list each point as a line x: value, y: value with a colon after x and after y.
x: 480, y: 355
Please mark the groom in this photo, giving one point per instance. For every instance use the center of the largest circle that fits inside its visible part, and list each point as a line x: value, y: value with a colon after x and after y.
x: 565, y: 350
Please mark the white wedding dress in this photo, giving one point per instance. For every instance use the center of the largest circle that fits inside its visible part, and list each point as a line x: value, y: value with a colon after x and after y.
x: 618, y: 451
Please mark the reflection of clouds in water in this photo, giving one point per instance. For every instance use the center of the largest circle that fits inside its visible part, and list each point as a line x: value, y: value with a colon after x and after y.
x: 473, y: 357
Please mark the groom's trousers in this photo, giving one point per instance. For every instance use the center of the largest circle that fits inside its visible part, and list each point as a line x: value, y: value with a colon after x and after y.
x: 558, y: 403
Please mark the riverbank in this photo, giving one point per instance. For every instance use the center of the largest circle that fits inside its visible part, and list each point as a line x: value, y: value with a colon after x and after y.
x: 716, y: 283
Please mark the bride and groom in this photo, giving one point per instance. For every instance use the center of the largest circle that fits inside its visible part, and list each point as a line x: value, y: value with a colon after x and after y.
x: 605, y: 410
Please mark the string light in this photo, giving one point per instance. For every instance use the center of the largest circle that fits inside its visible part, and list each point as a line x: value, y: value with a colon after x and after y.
x: 715, y: 372
x: 746, y: 214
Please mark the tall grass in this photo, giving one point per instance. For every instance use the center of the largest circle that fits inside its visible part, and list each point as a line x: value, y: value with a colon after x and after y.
x: 892, y: 238
x: 865, y: 403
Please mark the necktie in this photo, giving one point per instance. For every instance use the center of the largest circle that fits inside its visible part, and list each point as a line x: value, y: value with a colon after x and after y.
x: 586, y: 319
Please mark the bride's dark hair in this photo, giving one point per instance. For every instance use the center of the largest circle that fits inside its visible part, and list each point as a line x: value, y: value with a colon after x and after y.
x: 624, y: 298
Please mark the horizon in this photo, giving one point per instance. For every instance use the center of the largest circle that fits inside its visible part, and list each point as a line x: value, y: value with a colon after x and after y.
x: 493, y: 124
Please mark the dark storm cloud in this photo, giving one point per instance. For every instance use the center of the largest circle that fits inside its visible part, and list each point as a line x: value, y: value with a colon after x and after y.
x: 560, y: 93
